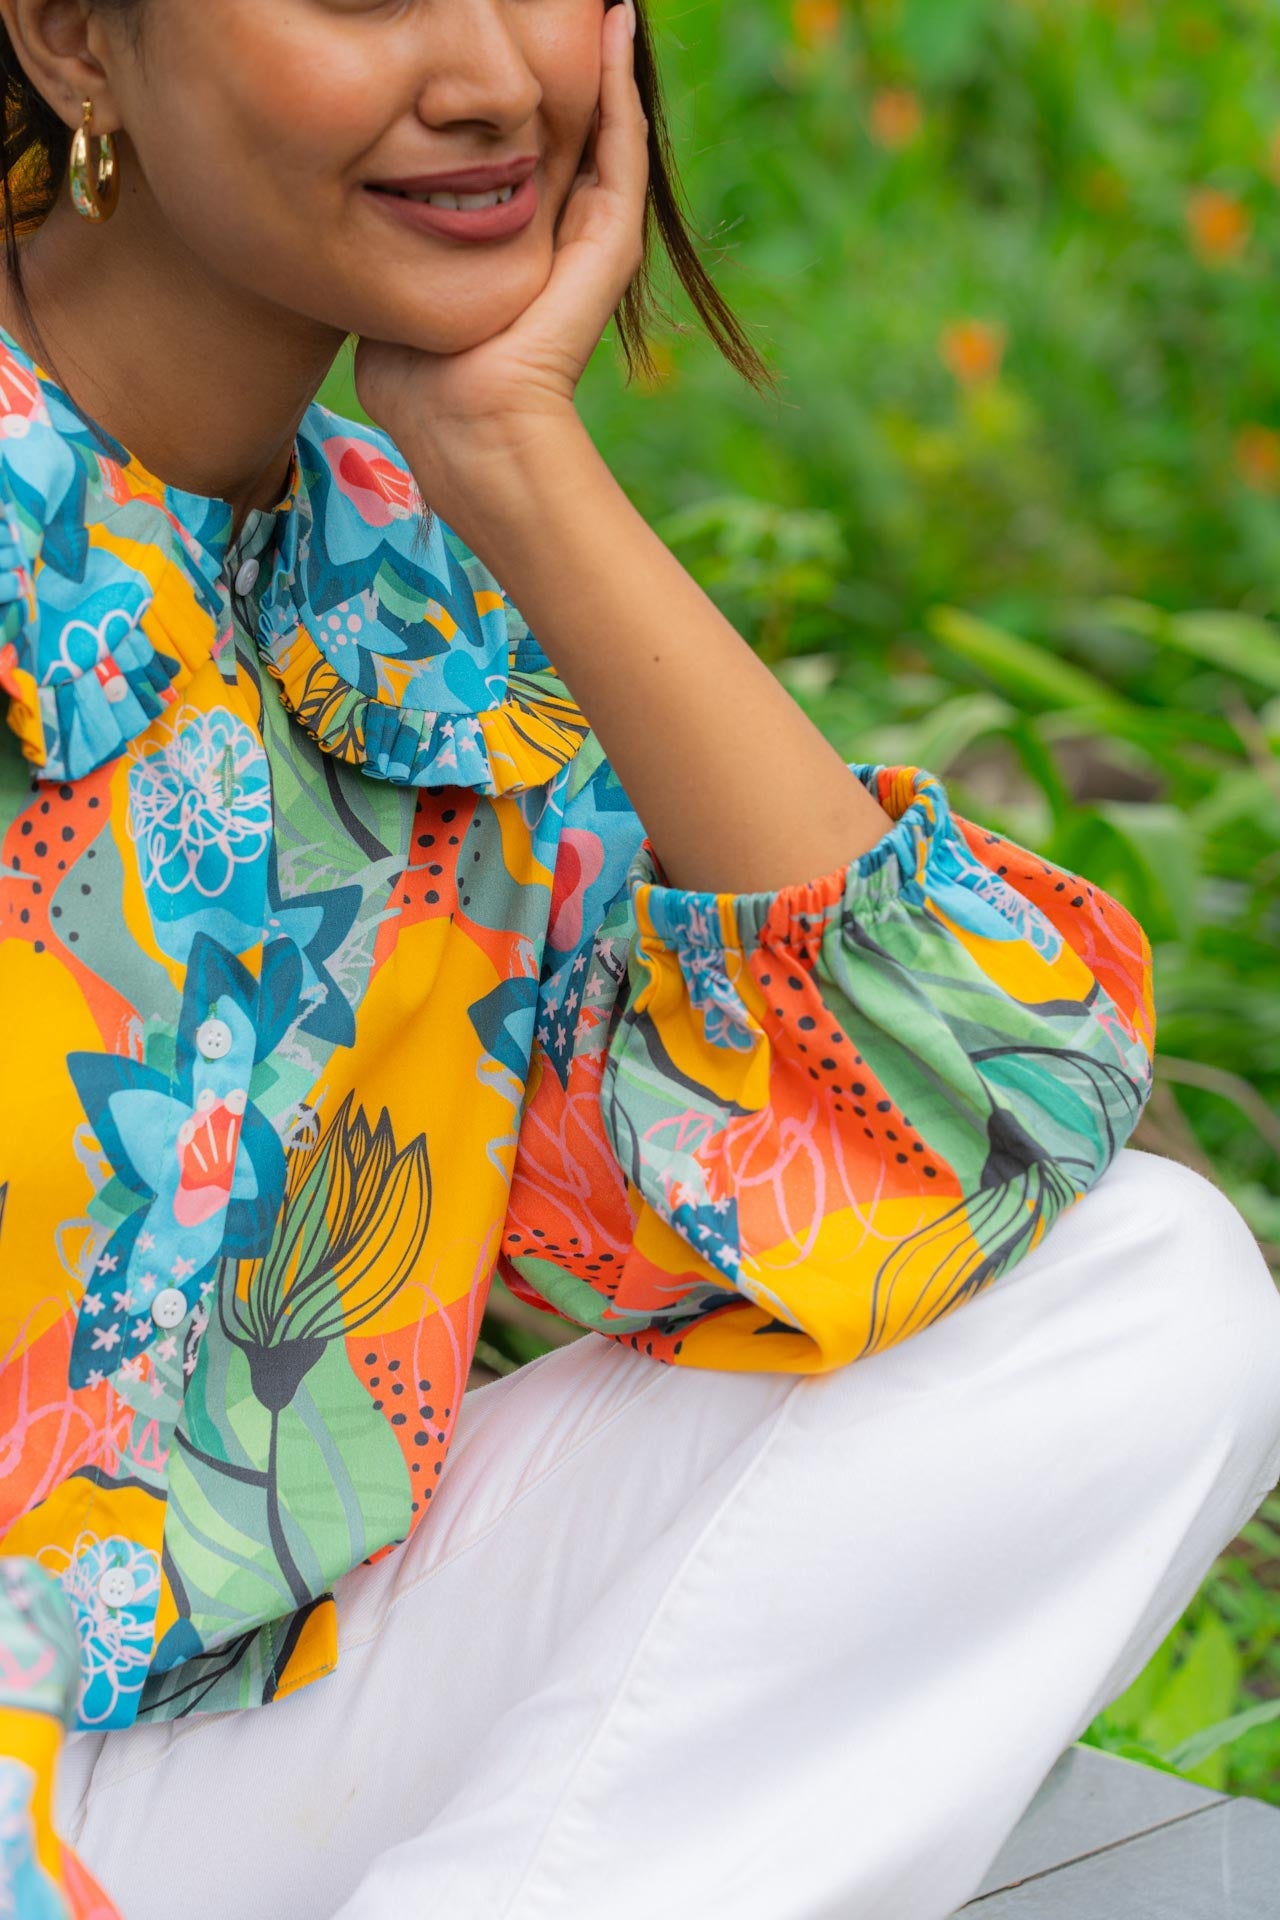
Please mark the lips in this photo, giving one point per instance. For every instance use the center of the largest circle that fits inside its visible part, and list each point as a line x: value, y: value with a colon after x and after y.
x: 496, y: 222
x: 477, y: 179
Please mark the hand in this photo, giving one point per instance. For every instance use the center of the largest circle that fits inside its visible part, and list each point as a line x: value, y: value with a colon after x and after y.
x: 443, y: 408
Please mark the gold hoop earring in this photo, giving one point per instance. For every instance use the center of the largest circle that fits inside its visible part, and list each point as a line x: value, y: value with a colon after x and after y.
x: 95, y: 189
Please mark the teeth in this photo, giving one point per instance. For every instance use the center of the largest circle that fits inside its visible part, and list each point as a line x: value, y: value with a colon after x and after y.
x: 465, y: 201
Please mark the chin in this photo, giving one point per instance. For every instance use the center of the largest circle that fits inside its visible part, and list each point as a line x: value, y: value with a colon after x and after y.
x: 473, y: 315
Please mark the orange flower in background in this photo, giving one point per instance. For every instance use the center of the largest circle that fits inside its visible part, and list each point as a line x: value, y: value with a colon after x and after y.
x: 1257, y: 451
x: 1219, y: 225
x: 815, y: 23
x: 895, y: 118
x: 973, y: 350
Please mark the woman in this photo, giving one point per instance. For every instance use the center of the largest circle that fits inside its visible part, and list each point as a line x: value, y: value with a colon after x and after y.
x: 356, y: 941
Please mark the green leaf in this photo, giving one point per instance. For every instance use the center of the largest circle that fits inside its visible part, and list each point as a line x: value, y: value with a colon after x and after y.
x: 955, y: 726
x: 1192, y: 1753
x: 1107, y: 1739
x: 1237, y: 643
x: 1200, y: 1693
x: 1019, y: 668
x: 1166, y: 843
x: 1128, y: 1709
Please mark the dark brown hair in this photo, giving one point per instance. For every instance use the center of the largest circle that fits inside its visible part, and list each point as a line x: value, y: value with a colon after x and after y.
x: 35, y: 147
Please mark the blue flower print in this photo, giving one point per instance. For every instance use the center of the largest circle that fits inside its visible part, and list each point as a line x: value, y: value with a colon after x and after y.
x: 113, y: 1586
x: 85, y: 618
x: 205, y: 1160
x: 200, y: 817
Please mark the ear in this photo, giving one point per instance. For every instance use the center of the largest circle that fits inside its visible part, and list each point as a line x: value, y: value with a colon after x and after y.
x: 65, y: 50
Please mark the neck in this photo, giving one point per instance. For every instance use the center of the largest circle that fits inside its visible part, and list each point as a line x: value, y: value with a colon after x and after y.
x: 201, y: 382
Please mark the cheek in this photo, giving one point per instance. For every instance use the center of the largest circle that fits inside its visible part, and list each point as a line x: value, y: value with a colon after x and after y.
x: 564, y: 52
x: 271, y: 106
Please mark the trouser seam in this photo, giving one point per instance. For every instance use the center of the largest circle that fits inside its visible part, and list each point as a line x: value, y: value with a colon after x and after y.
x: 759, y: 1455
x: 476, y: 1539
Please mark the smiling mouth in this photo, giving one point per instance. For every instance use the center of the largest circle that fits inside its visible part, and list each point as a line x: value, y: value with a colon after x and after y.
x: 498, y: 213
x: 466, y: 202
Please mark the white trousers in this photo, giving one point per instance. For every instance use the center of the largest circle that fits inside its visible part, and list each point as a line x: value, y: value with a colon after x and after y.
x: 683, y: 1645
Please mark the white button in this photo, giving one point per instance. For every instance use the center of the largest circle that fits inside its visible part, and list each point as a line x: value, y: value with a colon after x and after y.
x: 169, y: 1307
x: 115, y: 689
x: 115, y: 1588
x: 247, y: 578
x: 213, y: 1039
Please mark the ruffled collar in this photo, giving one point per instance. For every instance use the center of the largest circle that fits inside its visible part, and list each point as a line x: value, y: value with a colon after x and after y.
x: 391, y: 644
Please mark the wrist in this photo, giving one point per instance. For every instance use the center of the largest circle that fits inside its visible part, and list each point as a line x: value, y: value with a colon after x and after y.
x: 503, y: 476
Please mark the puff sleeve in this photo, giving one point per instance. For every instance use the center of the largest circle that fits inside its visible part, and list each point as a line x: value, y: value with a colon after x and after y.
x: 40, y: 1877
x: 780, y: 1131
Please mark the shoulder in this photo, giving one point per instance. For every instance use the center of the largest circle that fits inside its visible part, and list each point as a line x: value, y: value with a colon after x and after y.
x: 106, y: 591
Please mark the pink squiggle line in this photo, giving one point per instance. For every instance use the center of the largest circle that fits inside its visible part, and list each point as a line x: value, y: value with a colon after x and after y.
x: 17, y: 1678
x: 147, y: 1449
x: 63, y: 1457
x: 545, y: 1149
x: 426, y: 1290
x: 780, y: 1144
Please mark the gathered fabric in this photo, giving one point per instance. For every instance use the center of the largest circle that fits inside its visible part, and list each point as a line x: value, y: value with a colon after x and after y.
x: 339, y: 975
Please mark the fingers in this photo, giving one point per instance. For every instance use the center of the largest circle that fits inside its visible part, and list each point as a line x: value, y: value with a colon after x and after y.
x: 587, y: 172
x: 621, y: 142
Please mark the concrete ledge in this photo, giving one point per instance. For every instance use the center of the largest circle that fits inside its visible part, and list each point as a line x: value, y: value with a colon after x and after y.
x: 1110, y: 1840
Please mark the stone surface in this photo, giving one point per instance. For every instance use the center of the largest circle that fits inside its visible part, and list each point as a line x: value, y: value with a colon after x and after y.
x: 1089, y: 1801
x: 1115, y: 1841
x: 1222, y: 1863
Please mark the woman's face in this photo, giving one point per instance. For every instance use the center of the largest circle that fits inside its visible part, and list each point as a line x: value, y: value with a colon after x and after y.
x: 257, y: 126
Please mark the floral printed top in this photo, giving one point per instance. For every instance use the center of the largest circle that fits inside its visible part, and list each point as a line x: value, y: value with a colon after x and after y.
x: 338, y: 972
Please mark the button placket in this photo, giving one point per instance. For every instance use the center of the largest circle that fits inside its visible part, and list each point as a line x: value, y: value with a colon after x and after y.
x: 242, y: 567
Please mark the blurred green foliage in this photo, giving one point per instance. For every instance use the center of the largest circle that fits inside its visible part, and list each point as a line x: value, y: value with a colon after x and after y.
x: 1016, y: 516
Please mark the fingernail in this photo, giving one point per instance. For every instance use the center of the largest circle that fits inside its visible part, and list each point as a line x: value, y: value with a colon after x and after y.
x: 631, y: 16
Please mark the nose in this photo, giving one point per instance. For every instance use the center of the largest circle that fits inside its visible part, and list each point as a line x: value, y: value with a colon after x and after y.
x: 476, y: 71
